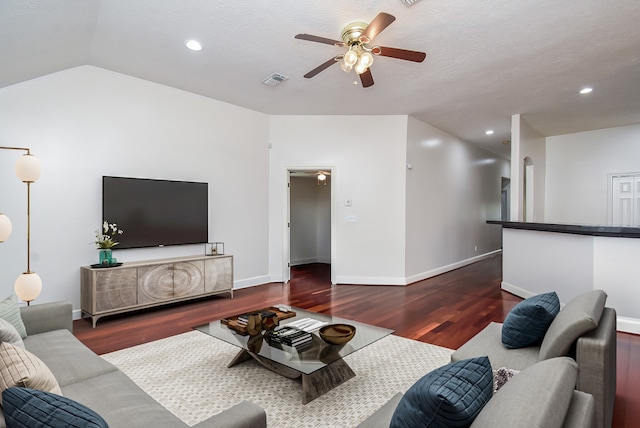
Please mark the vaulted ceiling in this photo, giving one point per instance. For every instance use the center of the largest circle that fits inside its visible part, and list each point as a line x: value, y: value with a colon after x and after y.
x: 486, y: 60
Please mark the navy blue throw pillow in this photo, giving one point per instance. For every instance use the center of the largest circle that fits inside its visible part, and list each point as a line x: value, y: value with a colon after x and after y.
x: 528, y: 321
x: 30, y: 408
x: 450, y: 396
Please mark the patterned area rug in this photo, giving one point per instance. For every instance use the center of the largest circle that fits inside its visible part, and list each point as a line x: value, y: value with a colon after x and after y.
x: 188, y: 375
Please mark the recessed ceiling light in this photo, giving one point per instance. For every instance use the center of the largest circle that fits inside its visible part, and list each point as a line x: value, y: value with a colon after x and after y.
x: 586, y: 90
x: 489, y: 132
x: 194, y: 45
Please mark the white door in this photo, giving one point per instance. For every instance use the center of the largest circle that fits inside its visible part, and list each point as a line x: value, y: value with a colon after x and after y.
x: 626, y: 200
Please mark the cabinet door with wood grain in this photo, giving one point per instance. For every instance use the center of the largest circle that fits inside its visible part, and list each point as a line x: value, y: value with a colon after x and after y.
x: 218, y: 274
x: 115, y: 289
x: 155, y: 283
x: 188, y: 278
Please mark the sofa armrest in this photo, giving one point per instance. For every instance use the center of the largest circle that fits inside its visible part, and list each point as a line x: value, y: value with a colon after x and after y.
x: 381, y: 418
x: 596, y: 357
x: 243, y: 415
x: 47, y: 317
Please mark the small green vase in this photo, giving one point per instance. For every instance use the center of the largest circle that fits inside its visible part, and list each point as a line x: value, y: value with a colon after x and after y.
x: 105, y: 257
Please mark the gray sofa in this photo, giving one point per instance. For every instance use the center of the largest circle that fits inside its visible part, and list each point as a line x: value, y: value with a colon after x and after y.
x: 583, y: 333
x: 541, y: 396
x: 85, y: 377
x: 584, y: 329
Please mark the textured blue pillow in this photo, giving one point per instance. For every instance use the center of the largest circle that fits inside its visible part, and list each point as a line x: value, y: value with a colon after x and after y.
x: 451, y: 396
x: 30, y: 408
x: 528, y: 321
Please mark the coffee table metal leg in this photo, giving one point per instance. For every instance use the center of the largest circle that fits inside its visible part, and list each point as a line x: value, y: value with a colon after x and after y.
x: 324, y: 380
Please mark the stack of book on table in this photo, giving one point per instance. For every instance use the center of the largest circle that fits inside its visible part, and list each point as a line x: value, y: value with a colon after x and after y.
x: 244, y: 318
x: 290, y: 336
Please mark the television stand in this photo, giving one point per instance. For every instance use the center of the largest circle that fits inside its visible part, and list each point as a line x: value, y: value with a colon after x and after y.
x: 151, y: 283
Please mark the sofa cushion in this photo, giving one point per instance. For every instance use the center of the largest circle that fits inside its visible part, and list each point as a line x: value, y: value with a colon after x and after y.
x: 121, y: 402
x: 19, y: 367
x: 10, y: 311
x: 529, y: 320
x: 9, y: 334
x: 516, y: 405
x: 580, y: 315
x: 450, y: 396
x: 69, y: 359
x: 29, y: 408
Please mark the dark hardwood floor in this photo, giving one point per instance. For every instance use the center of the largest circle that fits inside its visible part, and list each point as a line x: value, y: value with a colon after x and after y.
x: 446, y: 310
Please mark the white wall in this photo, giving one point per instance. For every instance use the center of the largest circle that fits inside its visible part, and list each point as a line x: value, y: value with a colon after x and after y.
x: 310, y: 215
x: 453, y: 188
x: 577, y: 168
x: 367, y: 154
x: 87, y: 122
x: 527, y: 143
x: 536, y: 262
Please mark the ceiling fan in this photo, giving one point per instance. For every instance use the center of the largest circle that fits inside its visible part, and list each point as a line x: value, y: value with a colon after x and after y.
x: 359, y: 56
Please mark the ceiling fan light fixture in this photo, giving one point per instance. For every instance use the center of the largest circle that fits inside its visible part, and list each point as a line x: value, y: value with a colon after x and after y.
x: 366, y: 59
x: 351, y: 57
x: 360, y: 67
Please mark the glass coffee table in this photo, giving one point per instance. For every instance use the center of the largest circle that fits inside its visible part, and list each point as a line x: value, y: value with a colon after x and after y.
x: 320, y: 365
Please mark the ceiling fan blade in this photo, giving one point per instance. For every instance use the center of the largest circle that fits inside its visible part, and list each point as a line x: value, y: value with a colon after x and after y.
x: 414, y: 56
x: 322, y: 67
x: 379, y: 23
x: 319, y: 39
x: 366, y: 78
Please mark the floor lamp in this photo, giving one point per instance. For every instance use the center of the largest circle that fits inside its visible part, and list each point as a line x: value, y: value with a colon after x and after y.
x: 28, y: 285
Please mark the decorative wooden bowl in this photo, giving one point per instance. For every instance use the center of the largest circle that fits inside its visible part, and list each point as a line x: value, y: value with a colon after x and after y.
x: 337, y: 334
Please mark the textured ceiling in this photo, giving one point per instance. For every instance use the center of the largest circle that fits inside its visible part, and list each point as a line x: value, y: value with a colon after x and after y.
x: 486, y: 60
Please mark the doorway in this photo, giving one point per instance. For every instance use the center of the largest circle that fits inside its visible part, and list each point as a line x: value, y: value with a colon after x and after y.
x: 309, y: 219
x: 505, y: 199
x: 528, y: 197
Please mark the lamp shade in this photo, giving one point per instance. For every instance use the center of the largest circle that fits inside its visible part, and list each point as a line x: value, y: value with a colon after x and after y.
x: 28, y: 168
x: 28, y: 286
x: 5, y: 227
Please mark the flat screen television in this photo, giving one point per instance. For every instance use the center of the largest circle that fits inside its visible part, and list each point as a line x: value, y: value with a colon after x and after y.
x: 155, y: 213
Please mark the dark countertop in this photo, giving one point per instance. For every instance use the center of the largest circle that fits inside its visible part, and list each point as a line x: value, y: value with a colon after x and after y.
x: 575, y: 229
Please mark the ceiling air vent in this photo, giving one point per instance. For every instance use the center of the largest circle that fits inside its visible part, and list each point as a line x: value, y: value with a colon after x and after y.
x: 274, y: 79
x: 409, y: 2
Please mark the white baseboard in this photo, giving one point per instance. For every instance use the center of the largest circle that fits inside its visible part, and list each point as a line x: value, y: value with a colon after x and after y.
x: 628, y: 325
x: 520, y: 292
x: 250, y: 282
x: 309, y: 260
x: 443, y: 269
x: 303, y: 261
x: 370, y: 280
